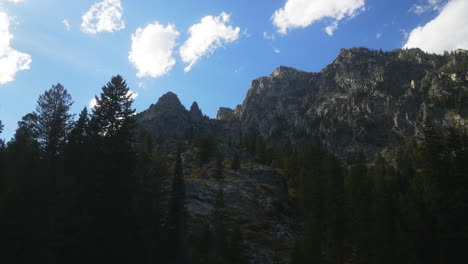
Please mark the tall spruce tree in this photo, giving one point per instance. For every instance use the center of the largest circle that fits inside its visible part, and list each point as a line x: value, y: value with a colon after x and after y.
x: 113, y: 164
x: 54, y: 122
x: 112, y: 113
x: 177, y: 215
x: 80, y: 131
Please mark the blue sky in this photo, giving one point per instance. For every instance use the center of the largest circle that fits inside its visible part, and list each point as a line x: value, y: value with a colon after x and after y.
x: 230, y: 44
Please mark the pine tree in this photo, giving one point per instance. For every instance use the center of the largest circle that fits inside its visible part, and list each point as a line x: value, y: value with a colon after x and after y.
x: 113, y: 110
x: 80, y: 129
x: 112, y: 163
x: 177, y: 215
x: 150, y: 171
x: 54, y: 121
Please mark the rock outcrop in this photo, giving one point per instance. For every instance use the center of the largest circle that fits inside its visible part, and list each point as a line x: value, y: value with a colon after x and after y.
x: 365, y: 102
x: 168, y: 118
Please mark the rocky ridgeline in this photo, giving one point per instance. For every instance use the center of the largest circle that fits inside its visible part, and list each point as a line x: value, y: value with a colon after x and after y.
x: 168, y: 119
x: 364, y: 102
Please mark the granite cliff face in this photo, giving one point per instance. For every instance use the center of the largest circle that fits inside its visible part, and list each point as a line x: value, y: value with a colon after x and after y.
x: 364, y: 102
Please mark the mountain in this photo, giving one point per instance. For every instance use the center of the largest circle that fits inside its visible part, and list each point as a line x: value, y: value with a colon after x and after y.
x: 168, y: 118
x: 364, y: 103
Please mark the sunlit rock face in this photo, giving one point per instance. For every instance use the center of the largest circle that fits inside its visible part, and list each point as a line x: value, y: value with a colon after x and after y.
x: 364, y: 102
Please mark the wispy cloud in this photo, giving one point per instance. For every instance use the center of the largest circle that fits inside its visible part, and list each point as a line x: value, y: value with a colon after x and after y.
x: 207, y: 36
x: 331, y: 28
x: 268, y: 36
x: 14, y: 1
x: 66, y: 23
x: 427, y: 6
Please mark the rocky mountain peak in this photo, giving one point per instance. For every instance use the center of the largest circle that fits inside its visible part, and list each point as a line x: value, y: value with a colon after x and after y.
x: 169, y: 101
x: 195, y: 109
x: 283, y: 71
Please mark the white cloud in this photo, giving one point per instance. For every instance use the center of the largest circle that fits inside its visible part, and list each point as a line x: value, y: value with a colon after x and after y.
x: 405, y: 33
x: 329, y: 29
x: 92, y: 103
x: 303, y: 13
x: 14, y: 1
x: 133, y: 94
x: 431, y: 5
x: 11, y: 61
x: 66, y: 23
x: 105, y: 16
x: 277, y: 51
x: 207, y: 36
x: 378, y: 35
x: 448, y: 31
x: 152, y: 50
x: 268, y: 36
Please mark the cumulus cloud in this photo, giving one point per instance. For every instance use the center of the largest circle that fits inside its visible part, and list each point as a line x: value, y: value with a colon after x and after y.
x: 207, y: 36
x: 303, y: 13
x: 448, y: 31
x: 427, y: 6
x: 277, y: 51
x: 152, y: 50
x: 66, y: 23
x: 105, y: 16
x: 11, y: 61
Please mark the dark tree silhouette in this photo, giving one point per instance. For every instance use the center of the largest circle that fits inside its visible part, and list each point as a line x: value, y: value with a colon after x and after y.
x: 54, y: 122
x: 113, y: 109
x: 112, y: 167
x: 177, y: 215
